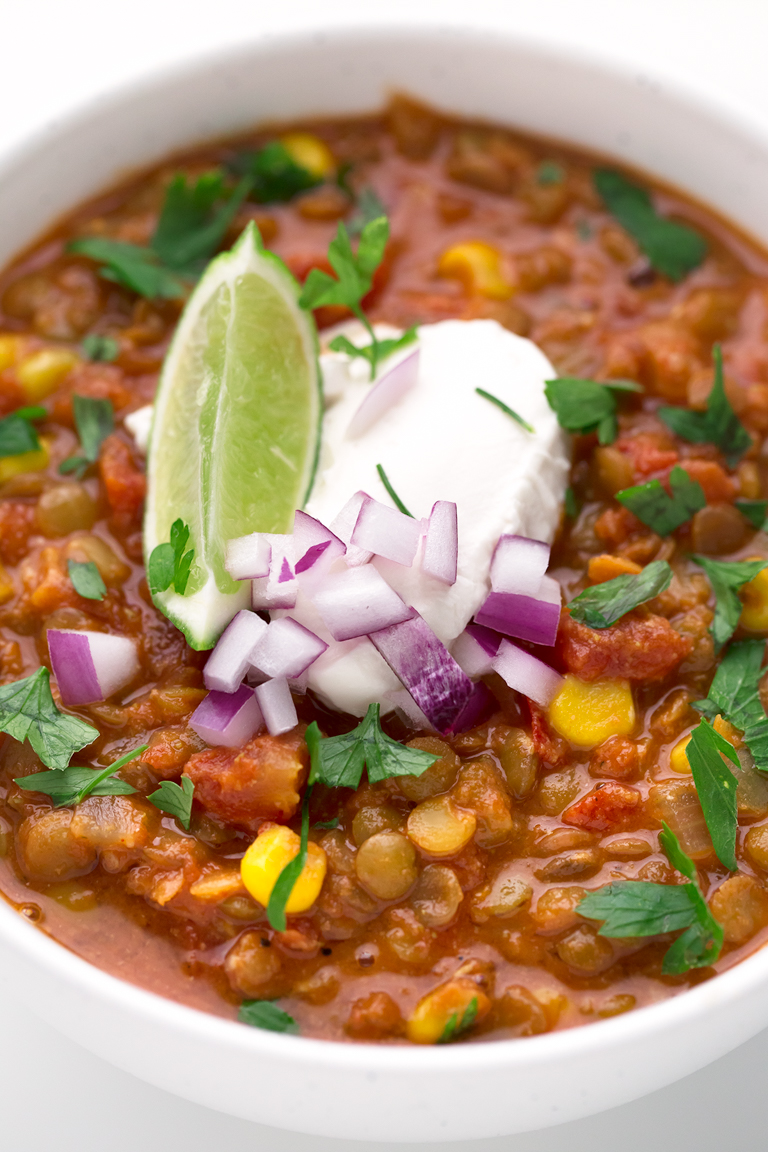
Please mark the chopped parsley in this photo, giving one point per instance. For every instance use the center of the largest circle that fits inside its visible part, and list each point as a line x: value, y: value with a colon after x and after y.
x: 17, y: 435
x: 376, y: 352
x: 550, y: 172
x: 641, y: 908
x: 86, y: 580
x: 673, y: 249
x: 571, y: 504
x: 458, y: 1025
x: 602, y: 605
x: 716, y: 787
x: 735, y: 694
x: 718, y: 425
x: 505, y: 408
x: 338, y: 761
x: 169, y: 564
x: 274, y: 174
x: 727, y: 577
x: 753, y: 510
x: 94, y: 420
x: 281, y: 893
x: 391, y: 492
x: 28, y: 712
x: 175, y: 799
x: 100, y: 348
x: 663, y: 513
x: 136, y: 268
x: 327, y: 825
x: 71, y: 785
x: 586, y: 406
x: 369, y: 207
x: 266, y: 1014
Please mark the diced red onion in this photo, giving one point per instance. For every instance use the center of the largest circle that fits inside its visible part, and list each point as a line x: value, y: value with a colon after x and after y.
x: 471, y: 656
x: 441, y: 543
x: 344, y: 525
x: 227, y: 719
x: 405, y: 703
x: 526, y: 617
x: 425, y: 666
x: 518, y: 565
x: 386, y: 532
x: 286, y: 648
x: 314, y: 545
x: 90, y: 666
x: 387, y: 391
x: 299, y: 683
x: 487, y: 639
x: 280, y: 587
x: 277, y: 706
x: 527, y: 674
x: 358, y: 601
x: 247, y: 557
x: 230, y: 658
x: 478, y: 708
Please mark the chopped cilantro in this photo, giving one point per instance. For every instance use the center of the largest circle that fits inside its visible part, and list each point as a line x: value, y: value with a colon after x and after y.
x: 663, y: 513
x: 266, y: 1014
x: 602, y: 605
x: 28, y: 712
x: 98, y: 347
x: 281, y: 893
x: 735, y: 694
x: 673, y: 249
x: 458, y: 1025
x: 95, y: 421
x: 391, y: 492
x: 275, y: 175
x: 130, y: 265
x: 754, y: 510
x: 505, y: 408
x: 191, y: 226
x: 376, y: 352
x: 719, y: 425
x: 338, y: 761
x: 550, y: 172
x: 571, y: 504
x: 169, y: 564
x: 716, y: 787
x: 71, y: 785
x: 327, y: 824
x: 175, y: 799
x: 86, y: 580
x: 17, y: 435
x: 369, y: 207
x: 587, y: 406
x: 727, y: 577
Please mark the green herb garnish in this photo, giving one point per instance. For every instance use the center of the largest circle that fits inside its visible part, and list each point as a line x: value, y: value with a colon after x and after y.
x: 718, y: 425
x: 275, y: 175
x: 266, y: 1014
x: 327, y: 825
x: 673, y: 249
x: 369, y: 207
x: 716, y: 787
x: 754, y: 511
x: 641, y: 908
x: 587, y: 406
x: 100, y: 348
x: 17, y: 435
x: 281, y: 893
x: 28, y: 712
x: 571, y: 504
x: 458, y: 1025
x: 175, y: 799
x: 505, y: 408
x: 86, y: 580
x: 376, y: 352
x: 602, y: 605
x: 550, y: 172
x: 130, y: 265
x: 71, y: 785
x: 94, y: 420
x: 663, y: 513
x: 338, y: 761
x: 391, y: 492
x: 727, y: 577
x: 169, y: 564
x: 735, y: 694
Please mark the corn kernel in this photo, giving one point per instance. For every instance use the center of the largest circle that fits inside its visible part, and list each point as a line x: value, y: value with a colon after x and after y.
x: 10, y: 349
x: 446, y: 1008
x: 586, y: 714
x: 273, y: 848
x: 754, y: 595
x: 309, y: 152
x: 41, y: 372
x: 439, y: 828
x: 607, y: 567
x: 478, y: 266
x: 34, y: 461
x: 678, y: 757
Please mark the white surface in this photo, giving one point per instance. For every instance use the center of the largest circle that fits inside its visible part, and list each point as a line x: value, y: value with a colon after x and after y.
x: 59, y: 54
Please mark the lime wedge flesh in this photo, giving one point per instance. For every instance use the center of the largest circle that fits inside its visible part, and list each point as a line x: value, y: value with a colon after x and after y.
x: 236, y: 427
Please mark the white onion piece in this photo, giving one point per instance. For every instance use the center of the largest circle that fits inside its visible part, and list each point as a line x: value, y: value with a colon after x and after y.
x: 280, y: 587
x: 227, y: 719
x: 518, y: 565
x: 386, y: 532
x: 247, y: 557
x: 413, y: 715
x: 526, y: 674
x: 315, y: 547
x: 277, y: 706
x: 441, y: 543
x: 344, y: 525
x: 90, y: 666
x: 230, y: 658
x: 286, y: 648
x: 358, y: 601
x: 299, y: 684
x: 471, y: 656
x: 388, y: 389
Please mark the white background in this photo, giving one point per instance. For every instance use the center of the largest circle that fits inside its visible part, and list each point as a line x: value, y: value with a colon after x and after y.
x: 55, y: 54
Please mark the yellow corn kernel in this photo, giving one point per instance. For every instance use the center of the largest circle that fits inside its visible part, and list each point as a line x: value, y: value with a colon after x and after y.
x: 273, y: 848
x: 10, y: 349
x: 454, y: 1006
x: 586, y: 714
x: 607, y: 567
x: 754, y: 614
x: 41, y: 372
x: 478, y: 266
x: 34, y: 461
x: 439, y: 828
x: 678, y: 757
x: 309, y: 152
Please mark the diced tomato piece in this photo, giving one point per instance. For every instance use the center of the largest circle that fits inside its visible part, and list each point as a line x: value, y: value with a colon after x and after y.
x: 126, y: 486
x: 552, y: 749
x: 17, y: 524
x: 97, y: 381
x: 618, y: 757
x: 718, y: 486
x: 649, y: 452
x: 636, y: 648
x: 608, y: 808
x: 616, y: 525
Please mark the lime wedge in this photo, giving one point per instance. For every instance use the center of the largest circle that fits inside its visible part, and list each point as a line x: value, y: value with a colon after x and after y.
x: 236, y: 427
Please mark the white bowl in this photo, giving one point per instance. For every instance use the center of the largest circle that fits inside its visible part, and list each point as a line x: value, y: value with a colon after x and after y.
x: 364, y: 1091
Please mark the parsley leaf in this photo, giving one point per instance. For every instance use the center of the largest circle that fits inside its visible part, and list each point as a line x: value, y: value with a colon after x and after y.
x: 72, y: 785
x: 571, y: 504
x: 175, y: 799
x: 716, y: 787
x: 673, y: 249
x: 550, y: 172
x: 602, y: 605
x: 281, y: 893
x: 169, y: 564
x: 754, y: 511
x: 338, y: 761
x: 458, y: 1025
x: 726, y: 578
x: 100, y: 348
x: 719, y: 425
x: 735, y: 694
x: 17, y: 435
x: 266, y: 1014
x: 28, y: 712
x: 663, y: 513
x: 275, y: 175
x: 369, y: 207
x: 191, y: 227
x: 587, y: 406
x: 374, y: 353
x: 391, y: 492
x: 505, y: 408
x: 95, y: 421
x: 327, y: 824
x: 641, y: 908
x: 86, y: 579
x: 136, y: 268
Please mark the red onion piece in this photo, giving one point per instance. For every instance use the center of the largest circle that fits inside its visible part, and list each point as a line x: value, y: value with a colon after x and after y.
x: 228, y: 662
x: 429, y: 672
x: 286, y: 648
x: 471, y: 656
x: 314, y: 545
x: 527, y: 674
x: 387, y: 391
x: 518, y: 565
x: 405, y: 703
x: 90, y: 666
x: 227, y: 719
x: 277, y: 706
x: 386, y: 532
x: 280, y: 587
x: 526, y: 617
x: 344, y: 525
x: 247, y: 557
x: 481, y: 704
x: 358, y: 601
x: 487, y: 639
x: 441, y: 543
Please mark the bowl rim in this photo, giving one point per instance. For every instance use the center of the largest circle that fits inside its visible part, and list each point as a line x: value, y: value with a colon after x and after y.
x: 44, y: 952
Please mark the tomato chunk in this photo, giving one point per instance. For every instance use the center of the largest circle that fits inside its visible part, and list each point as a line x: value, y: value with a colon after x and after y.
x: 608, y: 808
x: 125, y: 484
x: 635, y: 648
